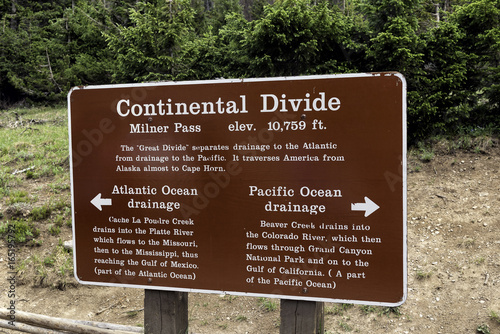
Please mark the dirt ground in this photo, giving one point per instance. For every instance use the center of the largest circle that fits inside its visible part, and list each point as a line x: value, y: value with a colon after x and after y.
x: 453, y: 267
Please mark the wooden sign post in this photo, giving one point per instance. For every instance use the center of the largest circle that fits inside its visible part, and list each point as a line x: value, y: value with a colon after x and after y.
x: 165, y: 312
x: 302, y: 317
x: 290, y: 188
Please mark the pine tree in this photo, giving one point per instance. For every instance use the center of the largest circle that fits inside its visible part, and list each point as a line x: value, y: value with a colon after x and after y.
x: 480, y: 23
x: 149, y: 49
x: 298, y: 37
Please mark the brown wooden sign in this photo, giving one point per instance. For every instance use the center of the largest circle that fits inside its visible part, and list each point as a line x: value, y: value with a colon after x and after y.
x: 287, y: 187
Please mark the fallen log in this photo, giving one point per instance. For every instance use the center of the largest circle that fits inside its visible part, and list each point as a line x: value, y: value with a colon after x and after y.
x: 114, y: 327
x: 73, y: 326
x: 19, y: 327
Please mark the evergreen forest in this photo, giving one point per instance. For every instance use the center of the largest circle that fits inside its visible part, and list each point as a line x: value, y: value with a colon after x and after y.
x: 448, y: 50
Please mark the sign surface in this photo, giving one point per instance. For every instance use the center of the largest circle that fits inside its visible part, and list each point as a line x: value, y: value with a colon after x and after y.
x: 286, y: 187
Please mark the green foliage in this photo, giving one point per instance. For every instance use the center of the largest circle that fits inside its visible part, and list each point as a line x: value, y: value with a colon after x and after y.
x: 18, y: 196
x: 41, y: 213
x: 442, y: 90
x: 34, y: 56
x: 484, y: 329
x: 338, y: 309
x: 345, y: 326
x: 390, y: 310
x: 201, y: 59
x: 381, y: 13
x: 367, y: 309
x: 480, y: 23
x: 216, y: 16
x: 149, y: 49
x: 231, y: 41
x: 295, y: 37
x: 495, y: 316
x: 54, y: 269
x: 23, y: 230
x: 449, y: 51
x: 395, y: 44
x: 268, y: 305
x: 396, y: 47
x: 54, y: 230
x: 421, y: 275
x: 91, y: 59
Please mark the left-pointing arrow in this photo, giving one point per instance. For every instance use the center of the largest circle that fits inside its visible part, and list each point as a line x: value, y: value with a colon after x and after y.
x: 99, y: 202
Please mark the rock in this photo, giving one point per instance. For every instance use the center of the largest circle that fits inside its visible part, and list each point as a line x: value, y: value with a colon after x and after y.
x: 68, y: 245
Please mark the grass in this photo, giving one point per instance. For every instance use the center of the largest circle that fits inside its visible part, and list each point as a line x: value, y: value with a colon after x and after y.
x: 267, y: 305
x: 479, y: 142
x: 495, y: 316
x: 391, y: 310
x: 367, y: 309
x: 41, y: 213
x: 381, y: 310
x: 467, y: 242
x: 132, y: 314
x: 484, y: 329
x: 25, y: 229
x: 36, y: 140
x: 54, y: 230
x: 345, y: 327
x: 45, y: 211
x: 53, y: 269
x: 421, y: 275
x: 35, y: 191
x: 337, y: 309
x: 18, y: 196
x: 426, y: 156
x: 241, y: 318
x: 230, y: 298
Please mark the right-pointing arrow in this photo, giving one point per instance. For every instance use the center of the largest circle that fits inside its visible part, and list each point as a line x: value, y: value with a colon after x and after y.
x: 368, y: 207
x: 99, y: 202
